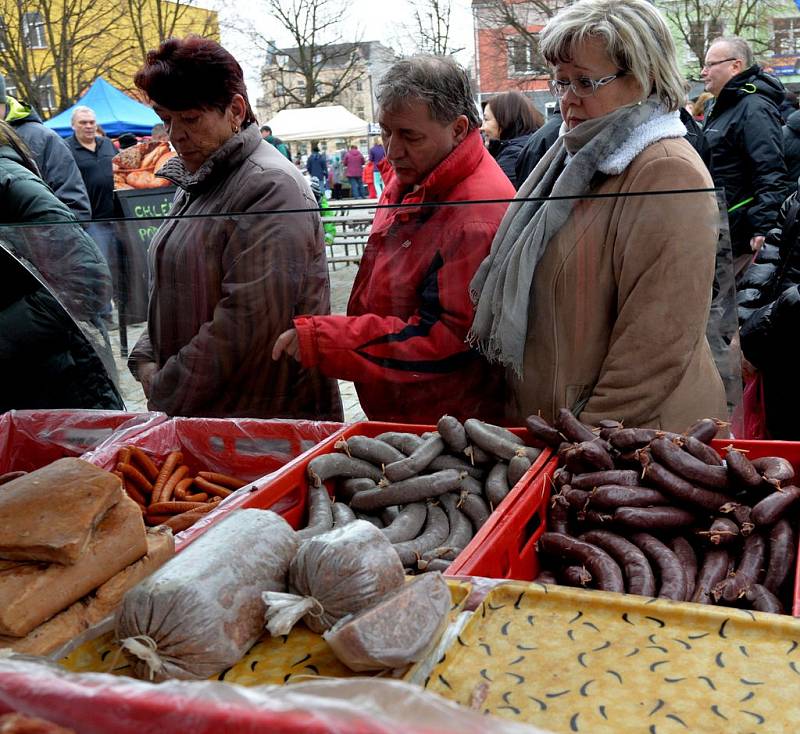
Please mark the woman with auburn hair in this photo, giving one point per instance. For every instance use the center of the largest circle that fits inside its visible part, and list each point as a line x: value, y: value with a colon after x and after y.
x: 596, y: 293
x: 224, y: 287
x: 509, y: 120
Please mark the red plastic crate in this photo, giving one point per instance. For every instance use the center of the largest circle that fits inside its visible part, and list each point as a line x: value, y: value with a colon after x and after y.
x: 247, y: 448
x: 31, y: 439
x: 505, y: 547
x: 286, y: 492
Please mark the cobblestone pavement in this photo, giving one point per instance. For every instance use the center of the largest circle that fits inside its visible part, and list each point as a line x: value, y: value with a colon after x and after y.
x: 341, y: 283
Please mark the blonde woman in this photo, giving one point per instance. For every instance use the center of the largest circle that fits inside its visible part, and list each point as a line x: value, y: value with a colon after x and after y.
x: 596, y: 293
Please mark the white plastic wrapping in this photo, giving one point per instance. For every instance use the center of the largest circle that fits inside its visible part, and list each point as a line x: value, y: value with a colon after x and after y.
x: 96, y: 703
x: 398, y: 630
x: 335, y: 574
x: 200, y: 612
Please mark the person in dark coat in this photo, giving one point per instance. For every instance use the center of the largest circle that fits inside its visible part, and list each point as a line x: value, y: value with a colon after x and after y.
x: 509, y: 119
x: 317, y: 164
x: 51, y: 155
x: 45, y: 362
x: 768, y: 333
x: 791, y: 148
x: 538, y: 144
x: 743, y: 129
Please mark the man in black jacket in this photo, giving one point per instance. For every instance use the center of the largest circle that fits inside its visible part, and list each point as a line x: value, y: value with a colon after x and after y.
x: 744, y: 132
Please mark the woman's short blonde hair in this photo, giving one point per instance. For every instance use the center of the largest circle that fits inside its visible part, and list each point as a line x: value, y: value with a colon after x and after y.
x: 636, y: 36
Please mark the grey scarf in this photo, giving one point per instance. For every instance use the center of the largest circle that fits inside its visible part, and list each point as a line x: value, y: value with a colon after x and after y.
x: 503, y: 285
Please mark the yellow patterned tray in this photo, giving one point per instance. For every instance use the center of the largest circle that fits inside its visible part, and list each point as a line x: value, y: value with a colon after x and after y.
x: 571, y: 660
x: 271, y: 660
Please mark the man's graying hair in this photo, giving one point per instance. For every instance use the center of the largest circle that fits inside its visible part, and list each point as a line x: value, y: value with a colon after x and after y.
x: 739, y: 49
x: 436, y: 80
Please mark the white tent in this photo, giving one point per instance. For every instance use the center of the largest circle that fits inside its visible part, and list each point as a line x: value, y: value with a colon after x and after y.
x: 317, y: 123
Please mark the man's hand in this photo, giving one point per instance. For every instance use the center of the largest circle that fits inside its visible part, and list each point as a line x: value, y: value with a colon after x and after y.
x: 287, y: 343
x: 757, y: 242
x: 145, y: 375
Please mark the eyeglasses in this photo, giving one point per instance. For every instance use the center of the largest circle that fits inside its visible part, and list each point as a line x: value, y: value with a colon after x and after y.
x: 582, y: 87
x: 709, y: 64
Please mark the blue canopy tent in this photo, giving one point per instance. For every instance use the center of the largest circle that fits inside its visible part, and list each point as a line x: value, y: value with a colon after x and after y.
x: 116, y: 112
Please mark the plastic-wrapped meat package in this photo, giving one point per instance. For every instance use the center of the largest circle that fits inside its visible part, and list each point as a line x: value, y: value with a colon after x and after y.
x: 398, y: 630
x: 333, y: 575
x: 202, y: 611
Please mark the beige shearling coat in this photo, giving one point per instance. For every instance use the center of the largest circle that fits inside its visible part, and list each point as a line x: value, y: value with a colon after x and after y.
x: 621, y: 299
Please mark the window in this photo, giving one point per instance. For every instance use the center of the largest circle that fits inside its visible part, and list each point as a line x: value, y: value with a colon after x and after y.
x: 3, y: 31
x: 33, y: 30
x: 786, y: 36
x: 359, y: 86
x: 11, y: 87
x: 524, y: 56
x: 701, y: 33
x: 47, y: 92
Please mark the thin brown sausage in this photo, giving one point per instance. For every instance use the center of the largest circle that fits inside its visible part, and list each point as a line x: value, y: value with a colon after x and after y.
x: 131, y: 490
x: 199, y: 497
x: 135, y: 477
x: 171, y: 483
x: 173, y: 460
x: 144, y: 462
x: 211, y: 488
x: 187, y: 519
x: 182, y: 488
x: 171, y: 508
x: 223, y: 480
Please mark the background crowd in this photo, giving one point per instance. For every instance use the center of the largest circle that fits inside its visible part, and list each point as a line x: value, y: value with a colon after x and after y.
x: 485, y: 309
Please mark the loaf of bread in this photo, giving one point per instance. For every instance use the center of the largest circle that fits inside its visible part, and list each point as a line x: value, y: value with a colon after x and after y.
x: 202, y: 611
x: 49, y: 514
x: 32, y: 592
x: 95, y: 607
x: 398, y: 630
x: 22, y: 724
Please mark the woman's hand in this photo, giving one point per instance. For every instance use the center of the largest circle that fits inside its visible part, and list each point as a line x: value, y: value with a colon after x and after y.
x: 287, y: 343
x: 145, y: 375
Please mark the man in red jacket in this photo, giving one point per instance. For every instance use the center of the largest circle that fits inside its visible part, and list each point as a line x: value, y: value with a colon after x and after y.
x: 403, y: 339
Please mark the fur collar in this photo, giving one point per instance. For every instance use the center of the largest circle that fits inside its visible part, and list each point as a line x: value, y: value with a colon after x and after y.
x: 660, y: 127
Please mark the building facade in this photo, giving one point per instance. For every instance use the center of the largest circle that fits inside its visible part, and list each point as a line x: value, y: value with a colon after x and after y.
x: 52, y: 53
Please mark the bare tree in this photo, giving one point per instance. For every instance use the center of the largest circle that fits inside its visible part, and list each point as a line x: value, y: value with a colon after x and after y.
x: 53, y: 49
x: 319, y: 65
x: 154, y: 21
x: 431, y: 28
x: 698, y: 22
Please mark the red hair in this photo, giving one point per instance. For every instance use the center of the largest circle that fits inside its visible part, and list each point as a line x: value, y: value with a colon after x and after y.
x: 185, y: 73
